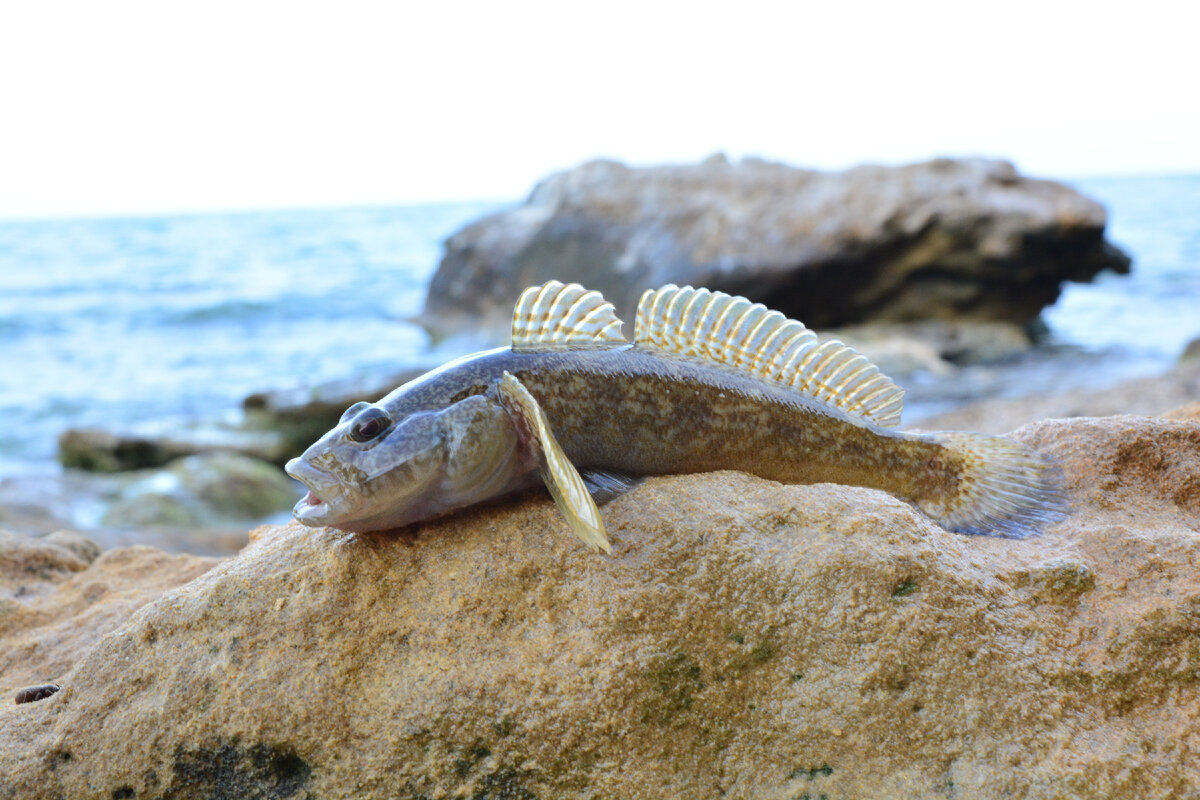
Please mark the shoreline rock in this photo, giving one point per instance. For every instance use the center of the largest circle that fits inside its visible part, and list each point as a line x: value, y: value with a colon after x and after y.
x: 945, y: 239
x: 746, y: 639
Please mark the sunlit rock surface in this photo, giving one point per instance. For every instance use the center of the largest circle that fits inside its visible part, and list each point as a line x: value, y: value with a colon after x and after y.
x: 744, y: 640
x: 948, y: 239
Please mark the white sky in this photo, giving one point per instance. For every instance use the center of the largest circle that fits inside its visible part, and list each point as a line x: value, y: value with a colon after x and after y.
x: 134, y: 107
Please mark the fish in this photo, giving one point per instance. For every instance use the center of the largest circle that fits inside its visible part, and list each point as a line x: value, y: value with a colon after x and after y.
x: 710, y: 382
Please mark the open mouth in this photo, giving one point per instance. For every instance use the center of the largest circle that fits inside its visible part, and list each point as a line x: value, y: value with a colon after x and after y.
x: 310, y: 507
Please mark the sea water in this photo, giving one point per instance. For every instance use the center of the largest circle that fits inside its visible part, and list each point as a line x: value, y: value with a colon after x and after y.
x: 110, y: 322
x: 1154, y: 312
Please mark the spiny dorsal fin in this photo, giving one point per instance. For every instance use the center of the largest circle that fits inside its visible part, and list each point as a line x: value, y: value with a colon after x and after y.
x: 557, y: 315
x: 748, y: 336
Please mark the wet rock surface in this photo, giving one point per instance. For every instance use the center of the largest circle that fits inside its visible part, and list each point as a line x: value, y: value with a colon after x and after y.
x: 948, y: 239
x: 746, y: 640
x: 202, y: 489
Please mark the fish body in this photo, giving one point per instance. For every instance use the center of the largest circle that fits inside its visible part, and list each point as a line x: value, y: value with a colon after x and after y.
x: 747, y: 391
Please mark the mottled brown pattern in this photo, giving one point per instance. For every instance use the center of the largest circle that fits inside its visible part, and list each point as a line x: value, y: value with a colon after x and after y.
x: 646, y: 412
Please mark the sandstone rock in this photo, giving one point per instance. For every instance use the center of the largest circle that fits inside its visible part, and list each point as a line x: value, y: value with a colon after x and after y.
x: 745, y: 640
x: 947, y: 239
x: 30, y: 566
x: 59, y: 596
x: 1189, y: 412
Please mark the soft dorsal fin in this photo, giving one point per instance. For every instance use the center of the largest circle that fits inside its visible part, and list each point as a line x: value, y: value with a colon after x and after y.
x: 748, y: 336
x: 563, y: 315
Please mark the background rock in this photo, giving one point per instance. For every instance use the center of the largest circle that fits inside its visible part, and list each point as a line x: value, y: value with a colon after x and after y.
x: 934, y: 346
x: 303, y: 415
x: 152, y: 445
x: 198, y: 504
x: 947, y: 239
x: 275, y: 426
x: 1151, y: 396
x: 1191, y: 352
x: 745, y: 639
x: 201, y: 489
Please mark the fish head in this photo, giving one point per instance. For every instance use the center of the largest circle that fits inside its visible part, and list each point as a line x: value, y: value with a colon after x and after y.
x: 372, y: 472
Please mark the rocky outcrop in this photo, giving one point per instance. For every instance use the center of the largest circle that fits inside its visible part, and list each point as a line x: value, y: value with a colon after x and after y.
x: 302, y: 415
x: 947, y: 239
x: 745, y: 640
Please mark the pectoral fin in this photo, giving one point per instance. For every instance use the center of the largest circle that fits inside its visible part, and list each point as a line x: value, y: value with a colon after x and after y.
x: 567, y: 488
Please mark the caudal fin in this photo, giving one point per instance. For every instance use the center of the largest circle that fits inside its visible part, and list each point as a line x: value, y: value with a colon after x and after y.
x: 1006, y: 489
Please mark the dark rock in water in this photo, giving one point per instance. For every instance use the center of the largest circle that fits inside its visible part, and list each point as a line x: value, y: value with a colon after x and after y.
x: 947, y: 239
x: 1191, y: 352
x: 96, y: 450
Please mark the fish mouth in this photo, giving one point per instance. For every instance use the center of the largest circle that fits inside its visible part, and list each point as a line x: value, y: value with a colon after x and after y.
x: 311, y: 508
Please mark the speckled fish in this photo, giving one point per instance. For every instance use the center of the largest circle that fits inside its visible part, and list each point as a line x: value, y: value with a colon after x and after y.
x: 710, y: 382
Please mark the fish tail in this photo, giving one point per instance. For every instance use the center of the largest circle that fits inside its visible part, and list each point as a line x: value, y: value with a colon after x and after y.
x: 1003, y: 489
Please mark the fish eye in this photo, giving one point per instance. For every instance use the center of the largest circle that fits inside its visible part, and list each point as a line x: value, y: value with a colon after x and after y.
x: 352, y: 410
x: 369, y: 424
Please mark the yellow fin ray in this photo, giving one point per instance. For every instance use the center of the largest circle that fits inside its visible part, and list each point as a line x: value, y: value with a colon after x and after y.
x: 566, y: 486
x: 765, y: 343
x: 563, y: 315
